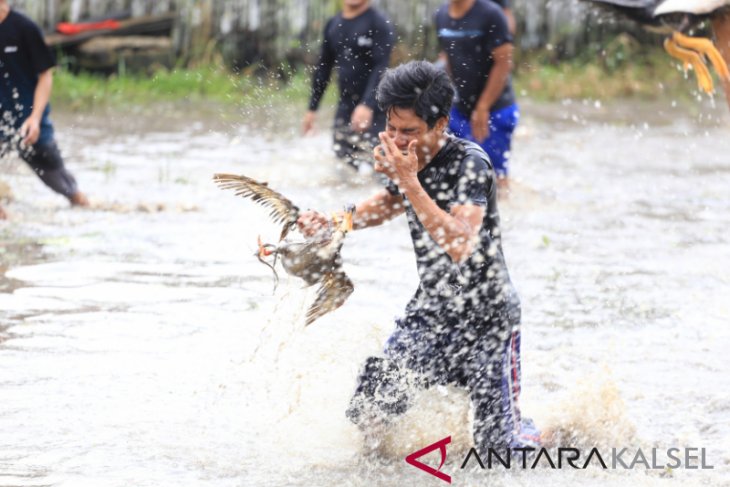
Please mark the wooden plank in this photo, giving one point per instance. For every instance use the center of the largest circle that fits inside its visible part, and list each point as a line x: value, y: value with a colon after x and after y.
x: 151, y: 24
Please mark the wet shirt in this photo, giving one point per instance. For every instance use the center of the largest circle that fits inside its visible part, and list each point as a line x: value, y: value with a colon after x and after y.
x: 360, y: 49
x: 23, y: 56
x: 460, y: 174
x: 468, y: 42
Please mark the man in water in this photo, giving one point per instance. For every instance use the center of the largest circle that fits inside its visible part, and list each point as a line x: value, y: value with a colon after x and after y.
x: 476, y: 41
x: 357, y: 41
x: 462, y: 326
x: 26, y: 78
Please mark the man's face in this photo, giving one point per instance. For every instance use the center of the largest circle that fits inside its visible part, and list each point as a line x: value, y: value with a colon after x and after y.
x: 404, y: 126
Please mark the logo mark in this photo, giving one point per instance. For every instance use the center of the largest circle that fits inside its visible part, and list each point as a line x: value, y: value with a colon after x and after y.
x: 363, y: 41
x: 436, y: 472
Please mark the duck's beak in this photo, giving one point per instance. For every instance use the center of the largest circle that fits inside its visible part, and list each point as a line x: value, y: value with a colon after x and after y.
x: 263, y: 250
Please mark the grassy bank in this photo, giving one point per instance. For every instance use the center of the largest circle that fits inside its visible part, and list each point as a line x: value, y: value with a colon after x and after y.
x: 649, y: 74
x: 201, y: 84
x: 617, y: 72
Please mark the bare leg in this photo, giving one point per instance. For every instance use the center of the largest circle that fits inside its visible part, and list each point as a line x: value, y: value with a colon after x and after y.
x: 721, y: 29
x: 79, y: 199
x: 3, y: 215
x: 45, y: 159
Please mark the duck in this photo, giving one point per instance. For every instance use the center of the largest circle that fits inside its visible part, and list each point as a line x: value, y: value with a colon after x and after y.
x: 673, y: 18
x: 315, y: 260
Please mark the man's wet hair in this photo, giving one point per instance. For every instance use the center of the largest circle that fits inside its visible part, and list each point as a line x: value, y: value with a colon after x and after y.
x: 417, y: 85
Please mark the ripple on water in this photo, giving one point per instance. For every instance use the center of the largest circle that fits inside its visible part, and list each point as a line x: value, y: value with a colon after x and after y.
x: 150, y: 348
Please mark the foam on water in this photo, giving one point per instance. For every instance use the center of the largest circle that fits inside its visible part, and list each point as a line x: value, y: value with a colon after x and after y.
x: 149, y: 348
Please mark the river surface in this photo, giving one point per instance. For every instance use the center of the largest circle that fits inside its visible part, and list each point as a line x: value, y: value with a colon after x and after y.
x: 142, y: 344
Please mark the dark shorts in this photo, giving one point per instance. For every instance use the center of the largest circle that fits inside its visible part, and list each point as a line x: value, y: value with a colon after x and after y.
x: 498, y: 145
x: 44, y: 157
x: 352, y: 147
x: 484, y: 359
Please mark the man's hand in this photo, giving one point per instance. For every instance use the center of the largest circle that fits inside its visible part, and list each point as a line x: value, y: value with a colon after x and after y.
x: 362, y: 118
x: 480, y: 124
x: 312, y: 223
x: 308, y: 122
x: 30, y: 131
x: 400, y: 168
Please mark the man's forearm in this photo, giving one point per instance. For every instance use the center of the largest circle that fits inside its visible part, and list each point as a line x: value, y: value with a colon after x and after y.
x: 450, y: 233
x: 377, y: 210
x: 511, y: 23
x: 42, y: 94
x: 495, y: 84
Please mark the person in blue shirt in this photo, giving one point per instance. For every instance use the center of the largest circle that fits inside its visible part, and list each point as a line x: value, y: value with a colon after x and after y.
x: 476, y: 42
x: 26, y: 78
x: 358, y: 42
x: 462, y: 326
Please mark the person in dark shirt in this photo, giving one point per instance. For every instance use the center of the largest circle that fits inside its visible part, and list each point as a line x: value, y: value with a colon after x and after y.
x: 358, y: 42
x: 26, y: 77
x: 475, y: 38
x: 462, y: 326
x: 508, y: 13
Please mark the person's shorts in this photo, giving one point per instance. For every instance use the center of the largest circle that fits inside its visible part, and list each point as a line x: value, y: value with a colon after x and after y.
x: 44, y: 155
x: 498, y: 145
x: 352, y: 147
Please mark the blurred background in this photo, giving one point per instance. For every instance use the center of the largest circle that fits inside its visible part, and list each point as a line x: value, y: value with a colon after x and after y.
x: 564, y: 46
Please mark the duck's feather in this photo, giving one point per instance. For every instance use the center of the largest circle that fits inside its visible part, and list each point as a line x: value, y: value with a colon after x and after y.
x: 282, y: 210
x: 335, y: 289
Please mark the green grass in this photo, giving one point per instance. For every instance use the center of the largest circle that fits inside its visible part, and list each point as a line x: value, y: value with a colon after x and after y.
x: 207, y: 83
x: 579, y: 80
x: 619, y: 69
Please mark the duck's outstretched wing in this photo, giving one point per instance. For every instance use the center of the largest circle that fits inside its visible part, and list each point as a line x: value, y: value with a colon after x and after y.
x: 281, y: 209
x: 335, y: 289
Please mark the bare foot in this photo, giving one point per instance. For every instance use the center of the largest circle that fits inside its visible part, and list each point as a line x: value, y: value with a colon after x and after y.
x: 3, y: 215
x: 79, y: 199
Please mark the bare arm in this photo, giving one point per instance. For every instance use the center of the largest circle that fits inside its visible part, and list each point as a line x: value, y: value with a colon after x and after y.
x: 30, y: 130
x: 454, y: 231
x: 511, y: 23
x: 376, y: 210
x: 498, y: 77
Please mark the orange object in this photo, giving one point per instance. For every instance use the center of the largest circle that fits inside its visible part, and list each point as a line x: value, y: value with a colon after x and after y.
x: 68, y: 28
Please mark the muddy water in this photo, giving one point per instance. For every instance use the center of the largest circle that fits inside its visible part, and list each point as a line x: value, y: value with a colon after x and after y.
x: 142, y: 344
